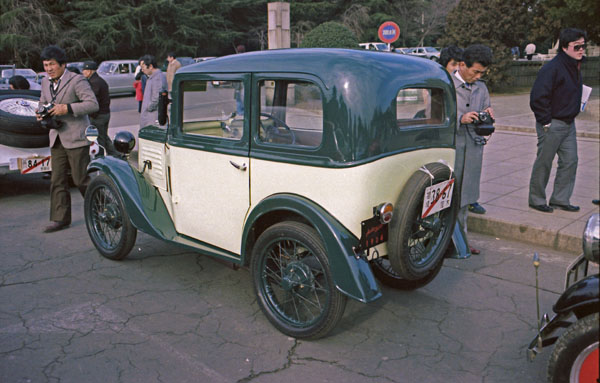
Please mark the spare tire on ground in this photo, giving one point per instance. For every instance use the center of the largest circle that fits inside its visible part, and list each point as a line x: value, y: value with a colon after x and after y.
x: 416, y: 245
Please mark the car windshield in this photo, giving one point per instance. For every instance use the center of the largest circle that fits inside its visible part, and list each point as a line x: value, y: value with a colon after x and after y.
x: 107, y: 67
x: 381, y: 47
x: 27, y: 73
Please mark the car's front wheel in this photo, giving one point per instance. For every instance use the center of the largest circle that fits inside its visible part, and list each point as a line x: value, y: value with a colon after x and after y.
x: 107, y: 220
x: 293, y: 283
x: 575, y: 355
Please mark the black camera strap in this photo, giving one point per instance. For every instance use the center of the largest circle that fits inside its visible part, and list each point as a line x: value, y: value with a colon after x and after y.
x: 55, y: 92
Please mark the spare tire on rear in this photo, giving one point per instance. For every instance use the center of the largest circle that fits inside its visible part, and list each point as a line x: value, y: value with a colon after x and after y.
x: 17, y: 112
x: 416, y: 245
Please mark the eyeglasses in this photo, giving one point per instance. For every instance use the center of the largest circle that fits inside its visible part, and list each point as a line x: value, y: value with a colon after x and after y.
x: 579, y: 47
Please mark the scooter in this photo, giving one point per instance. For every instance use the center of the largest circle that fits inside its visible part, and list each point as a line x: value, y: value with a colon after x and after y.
x: 574, y: 327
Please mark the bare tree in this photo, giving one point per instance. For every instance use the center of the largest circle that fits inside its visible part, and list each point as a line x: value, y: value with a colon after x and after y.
x: 300, y: 29
x: 355, y: 17
x: 433, y: 18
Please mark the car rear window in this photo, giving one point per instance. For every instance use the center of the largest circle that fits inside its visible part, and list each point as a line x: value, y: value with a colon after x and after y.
x: 419, y: 106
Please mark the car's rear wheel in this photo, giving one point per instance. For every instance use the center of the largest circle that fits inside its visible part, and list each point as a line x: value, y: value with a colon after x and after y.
x: 416, y: 245
x: 293, y: 282
x: 107, y: 220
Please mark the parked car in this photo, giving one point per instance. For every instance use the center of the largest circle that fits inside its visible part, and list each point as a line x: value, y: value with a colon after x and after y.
x: 29, y: 74
x: 23, y: 142
x: 119, y: 75
x: 76, y: 64
x: 430, y: 53
x: 574, y: 327
x: 184, y: 61
x: 308, y: 169
x: 375, y: 46
x: 404, y: 51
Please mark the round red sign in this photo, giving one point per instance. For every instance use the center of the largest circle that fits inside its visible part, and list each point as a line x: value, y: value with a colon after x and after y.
x: 389, y: 32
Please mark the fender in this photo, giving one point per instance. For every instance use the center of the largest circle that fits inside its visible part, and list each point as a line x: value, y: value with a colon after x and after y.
x: 144, y: 204
x: 584, y: 292
x: 352, y: 276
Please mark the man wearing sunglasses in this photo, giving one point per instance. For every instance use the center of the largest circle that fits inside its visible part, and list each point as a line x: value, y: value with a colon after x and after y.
x: 556, y: 100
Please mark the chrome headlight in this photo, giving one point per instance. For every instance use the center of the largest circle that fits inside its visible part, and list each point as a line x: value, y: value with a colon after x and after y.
x: 591, y: 238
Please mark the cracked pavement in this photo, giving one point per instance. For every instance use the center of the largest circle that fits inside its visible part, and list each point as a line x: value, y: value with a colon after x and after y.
x: 165, y: 314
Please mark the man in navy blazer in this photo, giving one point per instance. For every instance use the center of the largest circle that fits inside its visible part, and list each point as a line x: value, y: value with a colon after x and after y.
x: 70, y: 99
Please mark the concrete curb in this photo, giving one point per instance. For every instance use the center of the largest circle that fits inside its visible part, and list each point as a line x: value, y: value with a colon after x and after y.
x: 525, y: 233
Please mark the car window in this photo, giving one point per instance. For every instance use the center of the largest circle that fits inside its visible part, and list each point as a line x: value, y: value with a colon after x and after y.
x: 213, y: 108
x: 123, y: 68
x: 419, y: 106
x: 291, y: 113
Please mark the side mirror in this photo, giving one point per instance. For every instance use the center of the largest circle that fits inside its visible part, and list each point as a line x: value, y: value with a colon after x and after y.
x: 91, y: 133
x: 163, y: 102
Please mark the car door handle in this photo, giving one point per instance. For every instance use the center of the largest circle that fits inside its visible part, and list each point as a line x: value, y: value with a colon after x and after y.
x: 241, y: 167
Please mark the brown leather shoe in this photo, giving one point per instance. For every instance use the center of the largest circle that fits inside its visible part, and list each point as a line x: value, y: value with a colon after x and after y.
x: 474, y: 251
x: 56, y: 226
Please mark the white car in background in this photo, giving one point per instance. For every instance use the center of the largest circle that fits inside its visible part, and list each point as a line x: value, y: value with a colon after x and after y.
x: 375, y: 46
x: 430, y: 53
x: 119, y: 75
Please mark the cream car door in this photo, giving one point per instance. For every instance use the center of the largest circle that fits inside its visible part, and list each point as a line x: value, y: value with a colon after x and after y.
x: 209, y: 161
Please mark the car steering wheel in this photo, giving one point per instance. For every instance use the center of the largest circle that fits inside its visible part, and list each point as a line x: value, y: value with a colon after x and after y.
x: 273, y: 131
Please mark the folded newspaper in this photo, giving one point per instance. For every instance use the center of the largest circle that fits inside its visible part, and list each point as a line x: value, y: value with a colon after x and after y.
x: 585, y: 96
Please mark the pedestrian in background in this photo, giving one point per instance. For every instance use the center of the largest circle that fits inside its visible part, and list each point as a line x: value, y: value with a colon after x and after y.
x: 101, y: 118
x: 155, y: 84
x: 70, y: 99
x: 450, y: 58
x: 173, y: 66
x: 472, y: 96
x: 555, y: 100
x: 137, y: 85
x: 530, y: 51
x: 18, y: 82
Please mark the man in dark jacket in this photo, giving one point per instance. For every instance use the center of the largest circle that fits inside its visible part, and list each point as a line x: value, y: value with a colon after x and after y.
x: 556, y: 100
x: 101, y: 118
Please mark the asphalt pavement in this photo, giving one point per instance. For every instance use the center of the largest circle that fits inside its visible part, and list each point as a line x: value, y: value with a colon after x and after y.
x: 507, y: 162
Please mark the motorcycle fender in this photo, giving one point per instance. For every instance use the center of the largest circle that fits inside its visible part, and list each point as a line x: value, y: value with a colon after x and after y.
x: 584, y: 292
x: 144, y: 205
x: 352, y: 275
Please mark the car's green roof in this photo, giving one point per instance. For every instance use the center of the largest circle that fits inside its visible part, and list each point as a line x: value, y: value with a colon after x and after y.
x: 328, y: 64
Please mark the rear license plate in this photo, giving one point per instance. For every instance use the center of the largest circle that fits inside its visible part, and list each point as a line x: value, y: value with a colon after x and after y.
x: 35, y: 164
x: 437, y: 197
x: 373, y: 232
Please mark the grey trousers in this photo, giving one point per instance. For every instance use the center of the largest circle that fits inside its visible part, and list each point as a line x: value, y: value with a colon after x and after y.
x: 559, y: 139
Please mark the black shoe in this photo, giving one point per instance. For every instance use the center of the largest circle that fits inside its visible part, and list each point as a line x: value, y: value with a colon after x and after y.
x: 542, y: 208
x: 565, y: 207
x: 596, y: 201
x: 56, y: 226
x: 476, y: 208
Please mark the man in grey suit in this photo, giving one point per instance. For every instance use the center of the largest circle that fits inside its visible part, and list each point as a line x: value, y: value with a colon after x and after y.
x: 472, y: 96
x: 156, y: 83
x: 70, y: 99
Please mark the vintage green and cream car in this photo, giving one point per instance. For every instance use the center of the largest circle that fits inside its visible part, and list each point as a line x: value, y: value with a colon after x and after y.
x: 321, y: 170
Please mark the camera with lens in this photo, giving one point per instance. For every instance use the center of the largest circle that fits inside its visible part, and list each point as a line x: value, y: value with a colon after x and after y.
x: 48, y: 120
x: 484, y: 126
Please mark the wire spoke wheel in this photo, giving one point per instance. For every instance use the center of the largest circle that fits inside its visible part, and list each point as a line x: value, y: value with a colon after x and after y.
x: 293, y: 282
x: 106, y: 219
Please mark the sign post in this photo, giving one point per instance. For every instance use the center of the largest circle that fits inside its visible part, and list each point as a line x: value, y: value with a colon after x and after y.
x: 389, y: 32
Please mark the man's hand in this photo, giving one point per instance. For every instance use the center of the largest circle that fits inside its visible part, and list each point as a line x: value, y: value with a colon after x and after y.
x: 491, y: 112
x: 469, y: 118
x: 59, y: 110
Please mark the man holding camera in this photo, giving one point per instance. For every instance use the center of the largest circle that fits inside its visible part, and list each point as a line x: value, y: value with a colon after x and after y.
x: 555, y: 100
x: 65, y: 102
x: 472, y: 97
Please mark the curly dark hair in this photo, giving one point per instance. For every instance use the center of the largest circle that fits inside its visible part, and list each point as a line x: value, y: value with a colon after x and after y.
x: 478, y: 53
x: 450, y: 53
x: 569, y: 35
x: 53, y: 52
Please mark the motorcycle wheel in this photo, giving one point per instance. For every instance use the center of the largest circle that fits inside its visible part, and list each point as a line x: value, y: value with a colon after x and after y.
x: 575, y: 355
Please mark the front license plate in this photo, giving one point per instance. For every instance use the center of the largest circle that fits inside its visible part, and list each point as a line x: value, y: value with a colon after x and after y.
x: 35, y: 164
x: 437, y: 197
